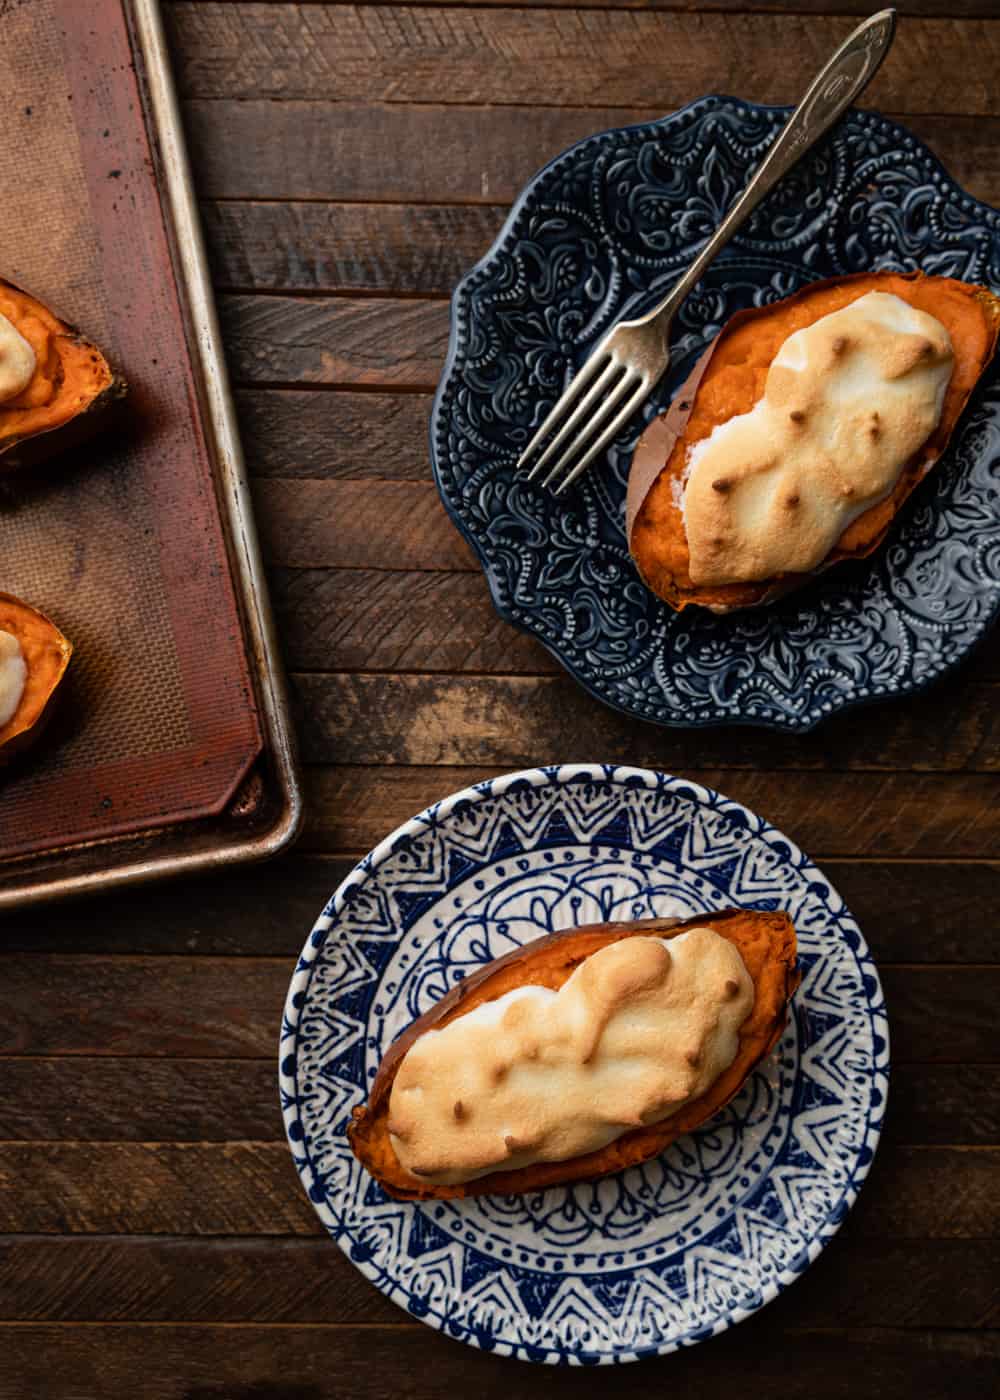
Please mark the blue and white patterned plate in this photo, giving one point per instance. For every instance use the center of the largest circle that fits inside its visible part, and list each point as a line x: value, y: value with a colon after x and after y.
x: 660, y: 1256
x: 603, y: 231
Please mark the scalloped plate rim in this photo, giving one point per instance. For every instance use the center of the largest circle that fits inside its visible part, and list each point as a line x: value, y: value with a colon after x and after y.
x: 790, y: 724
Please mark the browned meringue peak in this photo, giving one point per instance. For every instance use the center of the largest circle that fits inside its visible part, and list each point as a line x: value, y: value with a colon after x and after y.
x: 847, y: 402
x: 641, y: 1027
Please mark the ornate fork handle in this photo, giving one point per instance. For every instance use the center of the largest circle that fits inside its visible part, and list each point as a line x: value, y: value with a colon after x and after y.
x: 622, y: 369
x: 831, y: 92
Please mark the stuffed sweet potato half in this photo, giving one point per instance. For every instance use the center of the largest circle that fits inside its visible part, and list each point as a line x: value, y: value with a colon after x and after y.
x: 34, y: 656
x: 56, y: 388
x: 800, y: 433
x: 581, y: 1054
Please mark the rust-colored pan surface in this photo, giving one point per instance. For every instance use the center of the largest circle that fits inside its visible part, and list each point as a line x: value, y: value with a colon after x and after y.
x: 126, y: 541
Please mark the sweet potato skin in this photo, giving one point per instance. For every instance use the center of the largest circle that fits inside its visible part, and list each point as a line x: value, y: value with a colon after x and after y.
x: 47, y: 654
x: 85, y: 389
x: 972, y: 313
x: 766, y: 942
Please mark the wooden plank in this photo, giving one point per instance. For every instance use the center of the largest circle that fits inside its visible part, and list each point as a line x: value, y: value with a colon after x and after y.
x: 327, y: 434
x: 984, y: 9
x: 942, y: 1104
x: 78, y: 1005
x: 520, y: 721
x: 351, y: 808
x: 139, y: 1100
x: 949, y: 1283
x: 957, y: 1000
x: 335, y: 340
x: 265, y: 910
x: 357, y: 524
x: 397, y: 54
x: 94, y: 1099
x: 407, y: 620
x: 185, y: 1362
x: 413, y: 620
x: 295, y: 247
x: 211, y: 1008
x: 859, y: 1281
x: 72, y: 1188
x: 364, y: 151
x: 265, y: 1280
x: 910, y: 911
x: 250, y: 1188
x: 896, y: 1199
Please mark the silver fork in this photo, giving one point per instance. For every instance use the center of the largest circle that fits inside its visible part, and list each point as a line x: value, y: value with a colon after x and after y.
x: 633, y: 356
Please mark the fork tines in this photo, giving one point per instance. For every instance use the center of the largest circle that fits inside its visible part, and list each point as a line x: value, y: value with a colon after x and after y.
x: 588, y: 405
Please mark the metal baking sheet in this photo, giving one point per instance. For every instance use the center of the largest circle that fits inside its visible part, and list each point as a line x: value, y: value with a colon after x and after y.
x: 171, y: 748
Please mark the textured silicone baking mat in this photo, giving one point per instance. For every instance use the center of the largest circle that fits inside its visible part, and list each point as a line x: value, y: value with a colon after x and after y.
x: 121, y: 541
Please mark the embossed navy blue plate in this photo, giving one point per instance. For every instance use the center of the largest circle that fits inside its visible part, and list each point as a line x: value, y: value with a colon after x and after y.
x: 603, y: 231
x: 660, y: 1256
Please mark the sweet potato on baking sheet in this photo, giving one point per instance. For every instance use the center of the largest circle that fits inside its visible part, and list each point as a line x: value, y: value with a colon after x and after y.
x: 46, y: 654
x: 70, y: 391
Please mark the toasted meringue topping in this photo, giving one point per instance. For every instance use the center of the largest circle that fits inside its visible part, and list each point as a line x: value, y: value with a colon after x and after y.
x: 13, y: 675
x: 848, y: 401
x: 17, y: 361
x: 641, y: 1027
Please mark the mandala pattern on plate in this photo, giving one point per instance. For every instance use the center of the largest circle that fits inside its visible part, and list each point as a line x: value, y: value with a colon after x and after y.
x: 662, y: 1255
x: 602, y: 232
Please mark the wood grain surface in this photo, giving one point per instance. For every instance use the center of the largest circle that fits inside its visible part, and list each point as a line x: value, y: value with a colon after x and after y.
x: 352, y: 162
x: 832, y: 814
x: 429, y: 153
x: 179, y: 1361
x: 393, y: 54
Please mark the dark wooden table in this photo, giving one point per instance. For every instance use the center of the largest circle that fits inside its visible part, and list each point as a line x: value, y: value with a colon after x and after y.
x: 154, y: 1241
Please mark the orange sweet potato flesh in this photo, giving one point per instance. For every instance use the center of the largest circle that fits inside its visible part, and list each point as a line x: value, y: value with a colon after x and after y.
x: 729, y: 379
x: 72, y: 386
x: 46, y: 654
x: 766, y: 943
